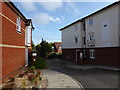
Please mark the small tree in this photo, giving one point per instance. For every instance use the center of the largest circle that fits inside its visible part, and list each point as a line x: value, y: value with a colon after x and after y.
x: 33, y: 46
x: 45, y: 49
x: 38, y: 48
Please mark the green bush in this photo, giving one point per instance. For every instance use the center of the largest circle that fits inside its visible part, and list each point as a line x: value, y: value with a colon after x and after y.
x: 53, y: 55
x: 59, y: 55
x: 40, y: 63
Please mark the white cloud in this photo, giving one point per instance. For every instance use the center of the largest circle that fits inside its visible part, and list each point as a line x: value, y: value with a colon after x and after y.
x: 43, y: 31
x: 48, y: 39
x: 51, y: 6
x: 55, y: 19
x: 64, y: 0
x: 44, y: 18
x: 28, y: 6
x: 41, y: 18
x: 71, y: 7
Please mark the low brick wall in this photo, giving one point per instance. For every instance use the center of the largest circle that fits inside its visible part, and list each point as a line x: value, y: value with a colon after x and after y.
x: 12, y: 60
x: 103, y: 56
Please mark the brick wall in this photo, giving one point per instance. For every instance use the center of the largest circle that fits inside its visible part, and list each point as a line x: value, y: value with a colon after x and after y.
x: 69, y: 54
x: 0, y: 42
x: 0, y: 65
x: 13, y: 58
x: 103, y: 56
x: 106, y: 56
x: 10, y: 36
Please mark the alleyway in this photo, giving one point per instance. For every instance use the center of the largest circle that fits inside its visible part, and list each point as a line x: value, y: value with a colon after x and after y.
x: 89, y: 78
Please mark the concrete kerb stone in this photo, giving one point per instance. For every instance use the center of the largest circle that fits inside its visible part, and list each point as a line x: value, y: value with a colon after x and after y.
x: 82, y: 88
x: 57, y: 79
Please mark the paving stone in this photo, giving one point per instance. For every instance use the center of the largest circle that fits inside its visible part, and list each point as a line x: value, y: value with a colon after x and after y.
x: 59, y: 80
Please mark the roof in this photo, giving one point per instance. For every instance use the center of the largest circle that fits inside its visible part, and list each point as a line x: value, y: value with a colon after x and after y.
x: 82, y: 19
x: 28, y: 23
x: 18, y: 12
x: 57, y: 44
x: 15, y: 9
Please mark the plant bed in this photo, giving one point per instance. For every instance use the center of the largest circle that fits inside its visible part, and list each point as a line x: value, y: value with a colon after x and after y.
x: 28, y: 78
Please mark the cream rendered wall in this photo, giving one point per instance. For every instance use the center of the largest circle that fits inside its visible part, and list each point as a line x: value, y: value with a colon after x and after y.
x: 119, y: 24
x: 109, y: 16
x: 68, y: 36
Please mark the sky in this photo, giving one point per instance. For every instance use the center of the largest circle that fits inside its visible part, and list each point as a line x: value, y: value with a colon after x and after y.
x: 49, y: 17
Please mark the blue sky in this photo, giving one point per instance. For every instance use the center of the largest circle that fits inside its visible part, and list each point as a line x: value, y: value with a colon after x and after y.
x: 49, y: 17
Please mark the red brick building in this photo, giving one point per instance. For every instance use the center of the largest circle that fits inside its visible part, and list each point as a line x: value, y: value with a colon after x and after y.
x: 15, y: 39
x: 57, y: 47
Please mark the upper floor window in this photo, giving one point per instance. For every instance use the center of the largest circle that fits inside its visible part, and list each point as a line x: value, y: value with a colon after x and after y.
x: 91, y: 37
x: 29, y: 36
x: 105, y: 25
x: 76, y: 39
x: 18, y: 27
x: 90, y: 21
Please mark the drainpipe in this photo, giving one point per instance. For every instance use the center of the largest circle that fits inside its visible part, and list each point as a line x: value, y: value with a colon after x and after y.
x: 84, y: 26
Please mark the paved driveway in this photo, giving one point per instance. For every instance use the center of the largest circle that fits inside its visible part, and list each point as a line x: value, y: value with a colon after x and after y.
x: 89, y: 78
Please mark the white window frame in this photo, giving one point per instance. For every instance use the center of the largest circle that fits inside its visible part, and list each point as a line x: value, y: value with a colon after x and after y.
x: 60, y: 48
x: 18, y: 25
x: 92, y: 54
x: 91, y: 37
x: 29, y: 36
x: 76, y: 39
x: 34, y: 54
x: 90, y: 21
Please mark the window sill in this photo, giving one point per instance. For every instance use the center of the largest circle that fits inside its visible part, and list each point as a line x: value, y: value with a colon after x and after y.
x: 19, y: 32
x: 92, y: 57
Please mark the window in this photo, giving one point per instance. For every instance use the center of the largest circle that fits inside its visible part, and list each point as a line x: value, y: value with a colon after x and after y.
x: 90, y: 21
x: 29, y: 35
x: 76, y: 39
x: 92, y: 54
x: 105, y: 25
x: 91, y: 37
x: 52, y: 47
x: 34, y: 54
x: 59, y: 48
x: 18, y: 27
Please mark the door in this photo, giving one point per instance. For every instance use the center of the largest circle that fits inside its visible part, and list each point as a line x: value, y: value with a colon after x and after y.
x: 79, y: 57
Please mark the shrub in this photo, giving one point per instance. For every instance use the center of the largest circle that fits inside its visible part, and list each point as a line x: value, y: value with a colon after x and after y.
x: 40, y: 63
x: 33, y: 75
x: 53, y: 55
x: 59, y: 55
